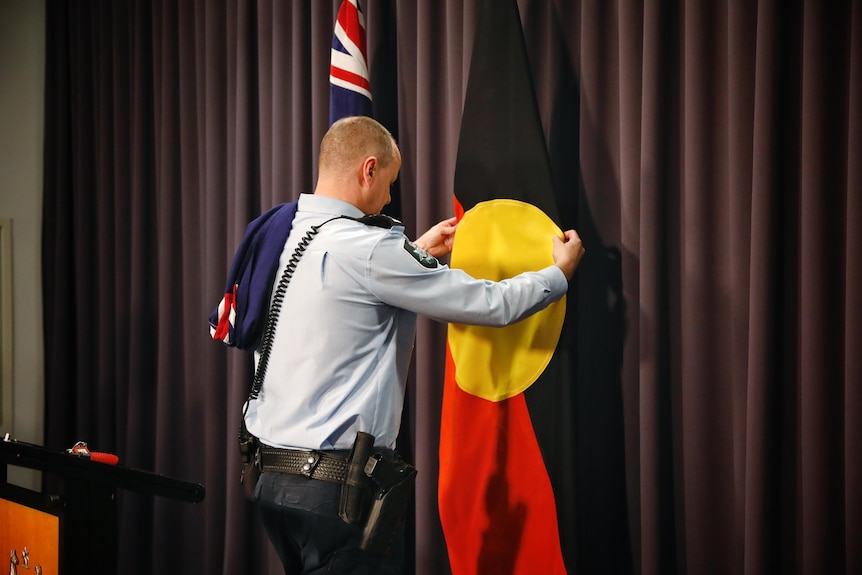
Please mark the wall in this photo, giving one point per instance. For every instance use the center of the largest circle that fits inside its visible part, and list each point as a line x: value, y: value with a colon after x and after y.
x: 22, y: 82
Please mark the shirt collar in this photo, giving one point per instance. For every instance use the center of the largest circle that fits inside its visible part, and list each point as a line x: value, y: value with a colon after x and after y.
x: 328, y: 205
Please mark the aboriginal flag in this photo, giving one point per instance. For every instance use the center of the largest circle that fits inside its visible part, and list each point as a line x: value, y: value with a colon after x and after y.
x: 497, y: 499
x: 349, y: 84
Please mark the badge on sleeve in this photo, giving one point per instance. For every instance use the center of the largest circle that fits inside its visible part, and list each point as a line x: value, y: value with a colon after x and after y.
x: 420, y: 255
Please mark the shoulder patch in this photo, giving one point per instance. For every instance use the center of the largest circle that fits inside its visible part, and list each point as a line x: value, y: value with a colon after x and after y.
x: 379, y: 221
x: 420, y: 255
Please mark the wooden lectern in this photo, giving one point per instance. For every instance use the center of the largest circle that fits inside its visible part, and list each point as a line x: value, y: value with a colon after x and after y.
x: 49, y: 534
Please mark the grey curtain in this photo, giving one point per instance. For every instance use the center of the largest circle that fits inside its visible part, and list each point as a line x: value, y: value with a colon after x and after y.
x: 711, y: 152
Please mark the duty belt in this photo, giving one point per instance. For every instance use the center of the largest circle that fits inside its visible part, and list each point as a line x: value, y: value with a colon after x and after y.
x: 312, y: 464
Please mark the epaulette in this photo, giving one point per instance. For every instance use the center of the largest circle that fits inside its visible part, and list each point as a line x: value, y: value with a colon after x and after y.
x: 379, y: 220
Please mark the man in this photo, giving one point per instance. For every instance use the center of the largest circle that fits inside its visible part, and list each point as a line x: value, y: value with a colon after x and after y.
x: 343, y: 340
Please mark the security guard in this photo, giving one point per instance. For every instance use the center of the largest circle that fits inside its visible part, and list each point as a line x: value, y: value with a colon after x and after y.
x: 343, y: 342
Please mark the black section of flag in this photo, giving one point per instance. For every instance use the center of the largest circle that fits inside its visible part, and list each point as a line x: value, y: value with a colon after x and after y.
x: 502, y: 151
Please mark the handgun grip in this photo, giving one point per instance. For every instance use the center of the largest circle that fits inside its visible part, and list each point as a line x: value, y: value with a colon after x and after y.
x: 354, y: 490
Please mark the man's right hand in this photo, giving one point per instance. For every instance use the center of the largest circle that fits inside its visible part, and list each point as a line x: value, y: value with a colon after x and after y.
x: 568, y: 252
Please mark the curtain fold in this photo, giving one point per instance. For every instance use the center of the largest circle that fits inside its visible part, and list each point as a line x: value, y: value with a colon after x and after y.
x: 707, y: 153
x: 853, y: 315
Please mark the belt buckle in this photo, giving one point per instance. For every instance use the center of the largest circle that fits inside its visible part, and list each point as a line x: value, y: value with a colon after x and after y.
x: 312, y: 458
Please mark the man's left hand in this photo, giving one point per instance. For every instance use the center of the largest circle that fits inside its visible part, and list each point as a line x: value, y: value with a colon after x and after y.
x: 438, y: 240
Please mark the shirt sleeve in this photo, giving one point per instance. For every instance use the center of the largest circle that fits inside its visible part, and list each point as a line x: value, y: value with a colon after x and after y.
x: 404, y: 276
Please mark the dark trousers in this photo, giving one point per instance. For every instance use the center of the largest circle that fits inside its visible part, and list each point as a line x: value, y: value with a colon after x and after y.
x: 300, y: 516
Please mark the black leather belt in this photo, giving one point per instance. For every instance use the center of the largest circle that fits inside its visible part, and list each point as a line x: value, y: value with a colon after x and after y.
x: 312, y: 464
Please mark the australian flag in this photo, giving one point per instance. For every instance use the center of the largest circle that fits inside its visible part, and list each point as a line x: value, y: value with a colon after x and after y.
x: 349, y: 85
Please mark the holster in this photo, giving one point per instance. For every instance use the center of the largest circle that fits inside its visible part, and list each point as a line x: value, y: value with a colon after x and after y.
x: 249, y: 450
x: 375, y: 493
x: 356, y: 489
x: 393, y: 480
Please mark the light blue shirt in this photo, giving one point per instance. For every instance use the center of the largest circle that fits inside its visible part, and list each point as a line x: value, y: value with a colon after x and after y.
x: 344, y: 337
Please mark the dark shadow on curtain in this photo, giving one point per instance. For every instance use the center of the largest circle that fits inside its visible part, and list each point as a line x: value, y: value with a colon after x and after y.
x: 384, y: 81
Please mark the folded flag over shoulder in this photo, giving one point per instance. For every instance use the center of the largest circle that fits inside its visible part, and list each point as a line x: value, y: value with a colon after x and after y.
x: 349, y: 83
x: 496, y: 499
x: 239, y: 318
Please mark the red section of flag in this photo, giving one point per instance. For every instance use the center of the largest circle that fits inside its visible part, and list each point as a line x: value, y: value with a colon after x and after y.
x: 496, y: 502
x: 459, y: 209
x: 355, y: 79
x: 228, y: 306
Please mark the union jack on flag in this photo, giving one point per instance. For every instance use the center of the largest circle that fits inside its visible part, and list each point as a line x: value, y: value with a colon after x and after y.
x: 349, y: 85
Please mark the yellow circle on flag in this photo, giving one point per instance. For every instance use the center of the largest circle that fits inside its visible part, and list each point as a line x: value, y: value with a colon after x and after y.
x: 496, y: 240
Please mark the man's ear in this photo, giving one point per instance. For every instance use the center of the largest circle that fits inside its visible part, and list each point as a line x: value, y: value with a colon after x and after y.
x: 370, y: 167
